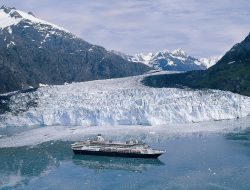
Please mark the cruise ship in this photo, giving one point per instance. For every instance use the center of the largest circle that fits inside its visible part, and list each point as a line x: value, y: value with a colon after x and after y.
x: 100, y: 147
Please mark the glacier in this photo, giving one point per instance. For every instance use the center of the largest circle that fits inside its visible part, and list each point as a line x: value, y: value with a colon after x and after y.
x: 123, y: 101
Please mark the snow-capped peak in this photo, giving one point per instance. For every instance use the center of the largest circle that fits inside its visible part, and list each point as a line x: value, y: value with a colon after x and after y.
x: 179, y: 52
x: 177, y: 60
x: 144, y: 58
x: 7, y: 18
x: 11, y: 16
x: 209, y: 62
x: 165, y: 51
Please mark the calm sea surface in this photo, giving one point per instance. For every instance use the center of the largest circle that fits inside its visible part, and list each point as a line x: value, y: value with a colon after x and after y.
x: 191, y: 162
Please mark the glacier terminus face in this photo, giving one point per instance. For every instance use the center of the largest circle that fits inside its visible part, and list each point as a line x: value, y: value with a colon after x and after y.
x: 123, y: 101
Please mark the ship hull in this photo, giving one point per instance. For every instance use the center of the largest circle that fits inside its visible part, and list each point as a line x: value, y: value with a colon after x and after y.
x: 116, y: 154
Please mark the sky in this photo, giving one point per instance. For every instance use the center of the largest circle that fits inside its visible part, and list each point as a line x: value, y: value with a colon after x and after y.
x: 202, y: 28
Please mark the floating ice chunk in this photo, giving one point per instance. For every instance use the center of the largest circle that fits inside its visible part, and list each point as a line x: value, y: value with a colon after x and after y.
x: 43, y: 85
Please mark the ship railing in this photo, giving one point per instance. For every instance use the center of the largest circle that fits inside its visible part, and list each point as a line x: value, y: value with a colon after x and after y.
x: 116, y: 143
x: 120, y: 150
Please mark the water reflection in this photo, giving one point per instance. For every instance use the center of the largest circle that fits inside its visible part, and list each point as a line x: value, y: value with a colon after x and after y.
x: 242, y: 137
x: 101, y: 163
x: 18, y: 166
x: 197, y: 162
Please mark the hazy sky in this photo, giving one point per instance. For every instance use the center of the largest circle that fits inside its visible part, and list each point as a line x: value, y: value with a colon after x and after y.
x: 203, y: 28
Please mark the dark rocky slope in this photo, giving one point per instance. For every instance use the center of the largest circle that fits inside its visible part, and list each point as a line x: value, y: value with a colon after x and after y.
x: 33, y: 51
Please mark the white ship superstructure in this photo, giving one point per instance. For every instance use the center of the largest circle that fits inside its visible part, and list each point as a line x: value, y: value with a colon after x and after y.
x: 101, y: 147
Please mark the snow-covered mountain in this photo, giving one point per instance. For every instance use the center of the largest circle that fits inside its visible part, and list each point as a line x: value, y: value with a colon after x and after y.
x: 209, y: 62
x: 230, y: 73
x: 124, y: 101
x: 33, y: 51
x: 177, y: 60
x: 11, y: 16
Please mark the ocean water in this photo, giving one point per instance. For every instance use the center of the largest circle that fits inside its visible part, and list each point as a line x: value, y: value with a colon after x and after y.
x: 196, y: 161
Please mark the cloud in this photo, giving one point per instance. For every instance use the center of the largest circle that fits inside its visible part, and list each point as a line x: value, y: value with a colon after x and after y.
x: 201, y: 27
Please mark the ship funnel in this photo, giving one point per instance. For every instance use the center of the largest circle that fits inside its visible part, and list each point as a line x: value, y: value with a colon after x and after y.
x: 99, y: 137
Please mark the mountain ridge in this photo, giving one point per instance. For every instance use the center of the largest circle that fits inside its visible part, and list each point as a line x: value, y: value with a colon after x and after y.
x: 231, y: 73
x: 177, y: 60
x: 33, y: 51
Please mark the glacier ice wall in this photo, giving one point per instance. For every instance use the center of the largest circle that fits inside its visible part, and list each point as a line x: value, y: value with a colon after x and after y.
x: 121, y: 102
